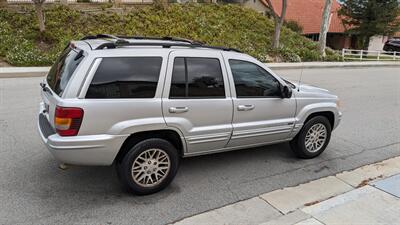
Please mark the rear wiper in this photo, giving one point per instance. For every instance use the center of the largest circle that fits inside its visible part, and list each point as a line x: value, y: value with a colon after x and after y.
x: 45, y: 88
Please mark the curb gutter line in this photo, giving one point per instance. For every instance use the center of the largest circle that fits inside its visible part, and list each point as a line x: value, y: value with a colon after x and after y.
x: 17, y: 72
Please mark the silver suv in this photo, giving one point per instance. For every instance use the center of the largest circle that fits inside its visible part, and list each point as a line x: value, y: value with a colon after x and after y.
x: 144, y: 103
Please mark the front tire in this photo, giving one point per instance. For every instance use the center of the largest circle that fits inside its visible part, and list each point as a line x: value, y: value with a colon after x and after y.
x: 313, y: 138
x: 149, y: 166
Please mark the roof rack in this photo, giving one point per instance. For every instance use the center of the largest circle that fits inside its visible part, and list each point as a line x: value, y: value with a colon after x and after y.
x: 122, y: 37
x: 121, y: 41
x: 166, y: 38
x: 111, y: 45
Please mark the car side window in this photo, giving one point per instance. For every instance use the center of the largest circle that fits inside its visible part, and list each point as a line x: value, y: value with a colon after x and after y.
x: 195, y: 77
x: 125, y: 77
x: 252, y: 81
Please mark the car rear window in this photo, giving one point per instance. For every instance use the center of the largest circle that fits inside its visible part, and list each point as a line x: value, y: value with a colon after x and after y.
x: 62, y: 70
x: 126, y: 77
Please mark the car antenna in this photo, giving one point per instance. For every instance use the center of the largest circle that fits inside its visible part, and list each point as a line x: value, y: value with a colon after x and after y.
x: 301, y: 75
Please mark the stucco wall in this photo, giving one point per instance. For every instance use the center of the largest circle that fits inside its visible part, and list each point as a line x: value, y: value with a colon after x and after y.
x: 376, y: 43
x: 255, y: 5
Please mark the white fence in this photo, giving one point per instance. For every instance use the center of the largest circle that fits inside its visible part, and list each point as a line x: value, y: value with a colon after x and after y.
x: 364, y: 55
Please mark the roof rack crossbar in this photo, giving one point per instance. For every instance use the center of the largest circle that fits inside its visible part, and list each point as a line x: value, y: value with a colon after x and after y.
x: 111, y: 45
x: 99, y: 36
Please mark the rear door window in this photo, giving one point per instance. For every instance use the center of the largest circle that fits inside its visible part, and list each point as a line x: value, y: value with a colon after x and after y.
x: 126, y: 77
x: 62, y: 70
x: 195, y: 77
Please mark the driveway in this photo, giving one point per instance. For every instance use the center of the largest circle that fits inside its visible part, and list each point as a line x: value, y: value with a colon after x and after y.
x: 34, y: 191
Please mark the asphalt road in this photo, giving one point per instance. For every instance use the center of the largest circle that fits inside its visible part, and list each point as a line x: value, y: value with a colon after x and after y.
x: 34, y: 191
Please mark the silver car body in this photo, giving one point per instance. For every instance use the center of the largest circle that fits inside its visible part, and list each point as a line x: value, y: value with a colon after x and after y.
x: 204, y: 125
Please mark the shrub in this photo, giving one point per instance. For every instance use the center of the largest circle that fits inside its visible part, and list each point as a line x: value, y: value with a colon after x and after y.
x: 25, y: 53
x: 294, y: 26
x: 227, y: 25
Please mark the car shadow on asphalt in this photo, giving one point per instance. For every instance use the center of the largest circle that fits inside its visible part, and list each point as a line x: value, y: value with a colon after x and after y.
x: 97, y: 179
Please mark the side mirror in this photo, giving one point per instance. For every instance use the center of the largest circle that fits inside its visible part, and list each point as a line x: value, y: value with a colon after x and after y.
x: 286, y: 91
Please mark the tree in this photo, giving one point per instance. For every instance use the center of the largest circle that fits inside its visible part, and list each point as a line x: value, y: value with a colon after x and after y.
x: 367, y: 18
x: 324, y: 27
x: 40, y: 14
x: 278, y: 20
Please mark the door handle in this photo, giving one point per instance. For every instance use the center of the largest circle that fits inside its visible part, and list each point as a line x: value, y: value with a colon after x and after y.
x: 245, y: 107
x: 178, y: 109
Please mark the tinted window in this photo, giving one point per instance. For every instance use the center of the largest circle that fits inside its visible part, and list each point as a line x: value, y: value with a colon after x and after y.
x: 197, y: 78
x: 62, y: 70
x: 253, y: 81
x: 126, y: 77
x: 178, y: 81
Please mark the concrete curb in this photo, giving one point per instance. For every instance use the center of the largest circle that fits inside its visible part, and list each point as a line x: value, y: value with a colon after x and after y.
x: 308, y: 203
x: 316, y: 65
x: 14, y: 72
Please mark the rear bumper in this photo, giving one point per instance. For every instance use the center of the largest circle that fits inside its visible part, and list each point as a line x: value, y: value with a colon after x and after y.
x: 81, y: 150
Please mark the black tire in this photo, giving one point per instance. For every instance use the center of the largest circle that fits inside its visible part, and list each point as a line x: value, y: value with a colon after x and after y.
x: 124, y: 167
x: 298, y: 144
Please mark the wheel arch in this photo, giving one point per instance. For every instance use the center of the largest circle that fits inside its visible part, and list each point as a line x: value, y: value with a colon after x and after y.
x: 328, y: 114
x: 327, y: 109
x: 171, y: 135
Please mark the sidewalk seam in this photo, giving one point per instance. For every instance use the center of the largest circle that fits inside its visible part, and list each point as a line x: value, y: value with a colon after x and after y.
x: 259, y: 196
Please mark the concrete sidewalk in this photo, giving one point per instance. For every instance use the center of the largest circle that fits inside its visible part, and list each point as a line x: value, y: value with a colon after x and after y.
x: 367, y: 195
x: 12, y: 72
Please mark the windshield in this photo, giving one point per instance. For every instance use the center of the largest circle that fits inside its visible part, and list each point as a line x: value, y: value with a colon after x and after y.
x: 62, y: 70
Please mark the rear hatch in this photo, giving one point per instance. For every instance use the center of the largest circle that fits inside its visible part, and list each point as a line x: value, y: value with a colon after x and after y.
x: 57, y: 80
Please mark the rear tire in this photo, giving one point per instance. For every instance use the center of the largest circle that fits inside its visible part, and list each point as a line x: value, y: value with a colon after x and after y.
x: 149, y: 166
x: 313, y: 138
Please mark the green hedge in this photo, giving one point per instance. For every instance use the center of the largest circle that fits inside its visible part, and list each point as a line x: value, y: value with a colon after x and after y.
x: 222, y: 25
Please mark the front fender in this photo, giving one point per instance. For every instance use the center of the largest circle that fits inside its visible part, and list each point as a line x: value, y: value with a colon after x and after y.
x: 307, y: 110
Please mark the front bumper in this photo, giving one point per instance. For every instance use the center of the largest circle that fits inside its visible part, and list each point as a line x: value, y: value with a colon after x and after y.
x: 93, y: 150
x: 338, y: 118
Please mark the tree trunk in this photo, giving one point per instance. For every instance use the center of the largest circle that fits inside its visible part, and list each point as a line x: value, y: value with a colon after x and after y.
x: 366, y: 42
x: 278, y: 19
x: 324, y: 27
x: 40, y: 16
x: 277, y: 33
x: 3, y: 3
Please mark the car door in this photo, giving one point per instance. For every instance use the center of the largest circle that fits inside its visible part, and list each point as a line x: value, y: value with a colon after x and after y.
x: 197, y: 100
x: 260, y: 114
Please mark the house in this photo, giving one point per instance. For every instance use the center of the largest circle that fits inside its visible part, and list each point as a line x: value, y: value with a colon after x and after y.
x: 308, y: 14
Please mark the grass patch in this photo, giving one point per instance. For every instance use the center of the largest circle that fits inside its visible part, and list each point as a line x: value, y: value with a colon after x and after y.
x: 221, y: 25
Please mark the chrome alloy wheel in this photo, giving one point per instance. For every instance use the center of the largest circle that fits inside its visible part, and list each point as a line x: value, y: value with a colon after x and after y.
x: 315, y: 137
x: 151, y: 167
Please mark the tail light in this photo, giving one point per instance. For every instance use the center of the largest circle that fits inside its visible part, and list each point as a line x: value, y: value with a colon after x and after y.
x: 68, y: 120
